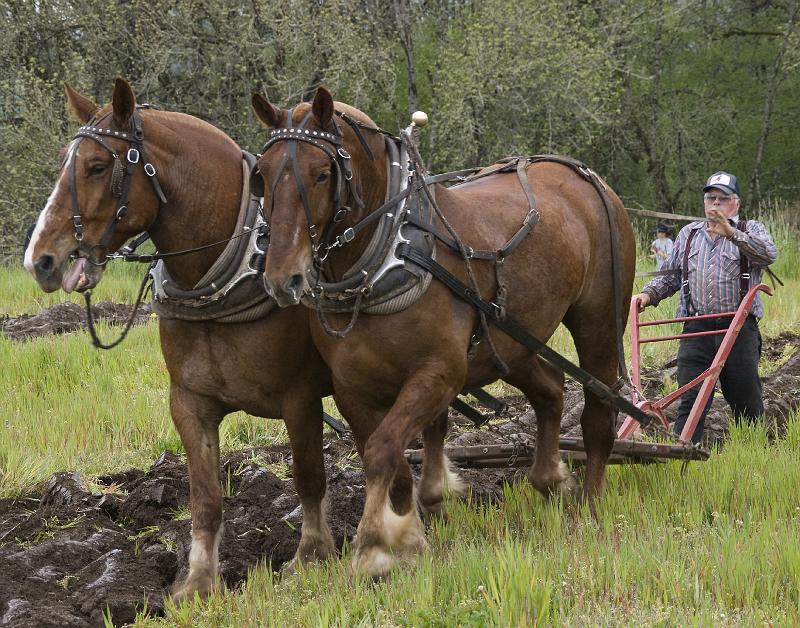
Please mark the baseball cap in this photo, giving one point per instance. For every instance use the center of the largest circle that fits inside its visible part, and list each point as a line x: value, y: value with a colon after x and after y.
x: 724, y: 181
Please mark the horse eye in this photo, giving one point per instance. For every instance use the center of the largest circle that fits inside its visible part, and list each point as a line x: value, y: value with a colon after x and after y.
x: 322, y: 177
x: 97, y: 169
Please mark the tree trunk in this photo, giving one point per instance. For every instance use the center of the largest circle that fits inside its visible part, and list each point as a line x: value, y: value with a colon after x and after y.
x: 775, y: 77
x: 402, y: 14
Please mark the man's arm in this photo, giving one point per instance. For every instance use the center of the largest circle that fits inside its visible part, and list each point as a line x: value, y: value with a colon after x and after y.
x: 756, y: 244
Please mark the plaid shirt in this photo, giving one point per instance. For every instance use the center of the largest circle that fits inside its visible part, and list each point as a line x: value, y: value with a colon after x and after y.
x: 714, y: 269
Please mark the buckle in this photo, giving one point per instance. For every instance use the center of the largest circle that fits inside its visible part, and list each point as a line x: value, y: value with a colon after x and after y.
x: 348, y: 235
x: 133, y: 156
x: 149, y: 169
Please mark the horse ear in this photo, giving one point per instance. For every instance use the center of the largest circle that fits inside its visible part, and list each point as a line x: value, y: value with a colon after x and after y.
x: 265, y: 111
x: 82, y: 108
x: 123, y: 103
x: 323, y: 107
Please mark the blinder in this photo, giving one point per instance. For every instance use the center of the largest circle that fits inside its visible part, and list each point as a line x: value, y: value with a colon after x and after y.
x: 256, y: 183
x: 117, y: 178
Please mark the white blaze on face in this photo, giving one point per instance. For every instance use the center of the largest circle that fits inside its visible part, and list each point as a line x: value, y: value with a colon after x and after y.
x: 72, y: 152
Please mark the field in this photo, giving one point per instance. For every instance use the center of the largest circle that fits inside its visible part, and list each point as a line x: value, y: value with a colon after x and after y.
x: 716, y: 545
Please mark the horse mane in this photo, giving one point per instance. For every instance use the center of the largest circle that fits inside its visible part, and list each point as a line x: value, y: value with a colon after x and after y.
x: 339, y: 107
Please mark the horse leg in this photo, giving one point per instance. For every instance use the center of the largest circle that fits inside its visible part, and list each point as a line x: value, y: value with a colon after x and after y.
x: 543, y: 385
x: 390, y: 525
x: 304, y: 424
x: 437, y: 474
x: 597, y: 353
x: 197, y: 420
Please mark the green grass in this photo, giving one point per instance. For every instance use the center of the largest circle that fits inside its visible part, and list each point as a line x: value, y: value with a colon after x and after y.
x: 68, y: 406
x: 716, y: 546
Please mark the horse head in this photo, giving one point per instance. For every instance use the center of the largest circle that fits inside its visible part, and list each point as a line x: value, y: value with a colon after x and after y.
x: 320, y: 174
x: 86, y: 216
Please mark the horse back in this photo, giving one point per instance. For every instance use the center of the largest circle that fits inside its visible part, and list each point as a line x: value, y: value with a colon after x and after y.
x: 573, y: 224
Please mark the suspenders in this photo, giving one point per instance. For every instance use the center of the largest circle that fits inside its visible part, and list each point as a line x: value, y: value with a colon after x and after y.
x: 744, y: 265
x: 744, y: 269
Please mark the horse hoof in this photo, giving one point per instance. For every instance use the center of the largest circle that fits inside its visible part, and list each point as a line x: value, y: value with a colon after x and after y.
x: 564, y: 485
x: 202, y: 586
x: 374, y: 562
x: 433, y: 510
x: 311, y: 553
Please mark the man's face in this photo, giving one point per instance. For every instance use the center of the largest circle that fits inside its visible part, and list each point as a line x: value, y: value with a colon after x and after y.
x: 725, y: 202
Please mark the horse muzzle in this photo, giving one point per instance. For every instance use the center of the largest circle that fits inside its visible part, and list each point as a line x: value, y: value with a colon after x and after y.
x: 79, y: 276
x: 290, y: 291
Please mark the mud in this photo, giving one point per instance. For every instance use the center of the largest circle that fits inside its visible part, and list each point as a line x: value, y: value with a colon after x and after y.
x: 76, y: 551
x: 68, y: 317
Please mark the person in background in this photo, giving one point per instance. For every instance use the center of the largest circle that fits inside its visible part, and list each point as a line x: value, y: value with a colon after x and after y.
x: 718, y: 258
x: 661, y: 246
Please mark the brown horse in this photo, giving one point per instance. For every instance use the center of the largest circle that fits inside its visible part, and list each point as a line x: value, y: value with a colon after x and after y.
x: 394, y: 375
x: 267, y: 367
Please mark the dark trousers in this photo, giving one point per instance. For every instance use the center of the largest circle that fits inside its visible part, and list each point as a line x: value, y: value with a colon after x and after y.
x: 738, y: 379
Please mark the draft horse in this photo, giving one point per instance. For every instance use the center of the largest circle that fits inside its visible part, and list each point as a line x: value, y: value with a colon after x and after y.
x: 181, y: 180
x: 394, y: 375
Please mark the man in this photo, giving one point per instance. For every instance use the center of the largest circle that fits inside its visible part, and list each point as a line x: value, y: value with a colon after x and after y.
x: 709, y: 253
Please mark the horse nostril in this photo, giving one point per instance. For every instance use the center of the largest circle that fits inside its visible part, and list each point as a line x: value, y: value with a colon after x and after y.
x: 293, y: 286
x: 44, y: 265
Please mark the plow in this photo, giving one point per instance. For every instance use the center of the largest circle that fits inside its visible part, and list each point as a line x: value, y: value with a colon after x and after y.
x: 628, y: 447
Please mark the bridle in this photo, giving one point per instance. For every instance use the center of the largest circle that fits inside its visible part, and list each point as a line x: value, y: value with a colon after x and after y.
x: 120, y: 179
x: 330, y: 143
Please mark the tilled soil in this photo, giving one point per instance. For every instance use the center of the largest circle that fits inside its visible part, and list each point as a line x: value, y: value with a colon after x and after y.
x: 75, y: 551
x: 67, y: 317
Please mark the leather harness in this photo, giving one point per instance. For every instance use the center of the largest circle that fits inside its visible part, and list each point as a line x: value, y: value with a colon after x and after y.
x: 493, y: 310
x: 120, y: 178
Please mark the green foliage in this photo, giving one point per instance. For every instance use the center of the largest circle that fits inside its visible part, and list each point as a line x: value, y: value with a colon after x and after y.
x: 654, y: 95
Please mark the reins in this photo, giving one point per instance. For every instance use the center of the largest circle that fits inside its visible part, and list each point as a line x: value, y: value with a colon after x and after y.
x: 128, y: 324
x: 127, y: 253
x: 120, y: 186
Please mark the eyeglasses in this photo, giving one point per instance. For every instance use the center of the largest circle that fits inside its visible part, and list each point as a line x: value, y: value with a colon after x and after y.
x: 713, y: 198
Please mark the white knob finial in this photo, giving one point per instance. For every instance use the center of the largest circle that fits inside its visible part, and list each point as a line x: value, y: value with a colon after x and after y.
x: 419, y: 119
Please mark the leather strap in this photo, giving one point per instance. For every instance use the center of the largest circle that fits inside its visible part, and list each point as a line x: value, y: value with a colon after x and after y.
x: 687, y: 295
x: 744, y: 265
x: 511, y: 327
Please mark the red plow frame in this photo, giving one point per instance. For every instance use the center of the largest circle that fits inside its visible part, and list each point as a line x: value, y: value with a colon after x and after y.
x: 627, y: 449
x: 708, y: 377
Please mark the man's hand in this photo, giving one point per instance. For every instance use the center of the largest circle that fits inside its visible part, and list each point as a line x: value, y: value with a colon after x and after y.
x: 644, y: 300
x: 718, y: 223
